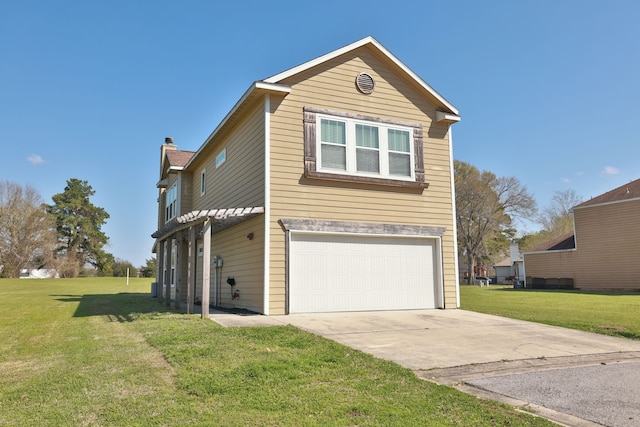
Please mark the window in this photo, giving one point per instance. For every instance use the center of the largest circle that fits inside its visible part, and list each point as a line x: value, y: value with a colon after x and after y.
x: 364, y: 148
x: 203, y: 181
x: 221, y: 158
x: 171, y: 202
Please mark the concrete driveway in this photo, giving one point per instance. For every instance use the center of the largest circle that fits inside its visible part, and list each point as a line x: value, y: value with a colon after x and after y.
x: 502, y: 359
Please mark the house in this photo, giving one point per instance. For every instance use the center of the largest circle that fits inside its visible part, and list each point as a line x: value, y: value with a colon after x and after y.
x: 602, y: 253
x: 511, y: 268
x: 327, y: 188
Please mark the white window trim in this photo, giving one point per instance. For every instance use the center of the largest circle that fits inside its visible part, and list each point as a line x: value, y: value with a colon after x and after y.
x: 311, y: 159
x: 203, y: 182
x: 351, y: 148
x: 171, y: 207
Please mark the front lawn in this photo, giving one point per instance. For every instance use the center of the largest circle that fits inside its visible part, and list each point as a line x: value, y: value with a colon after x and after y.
x: 605, y: 313
x: 95, y: 352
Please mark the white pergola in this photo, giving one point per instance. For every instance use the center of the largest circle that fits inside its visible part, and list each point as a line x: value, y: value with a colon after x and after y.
x: 213, y: 221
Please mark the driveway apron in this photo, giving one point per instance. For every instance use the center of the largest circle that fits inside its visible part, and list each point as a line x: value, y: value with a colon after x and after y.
x: 572, y: 377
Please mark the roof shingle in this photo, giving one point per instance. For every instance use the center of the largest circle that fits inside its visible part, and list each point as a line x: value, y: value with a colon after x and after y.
x: 627, y: 191
x: 179, y: 157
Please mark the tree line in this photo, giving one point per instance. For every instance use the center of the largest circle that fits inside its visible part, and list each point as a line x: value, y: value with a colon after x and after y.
x: 488, y: 208
x: 65, y: 236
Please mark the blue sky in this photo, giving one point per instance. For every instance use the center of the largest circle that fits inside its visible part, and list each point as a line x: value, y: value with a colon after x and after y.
x: 548, y: 90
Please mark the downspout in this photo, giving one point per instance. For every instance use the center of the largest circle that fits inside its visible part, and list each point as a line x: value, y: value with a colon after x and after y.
x: 455, y: 222
x: 267, y: 203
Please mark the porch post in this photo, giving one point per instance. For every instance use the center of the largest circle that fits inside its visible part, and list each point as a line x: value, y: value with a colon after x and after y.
x: 206, y: 267
x: 167, y: 290
x: 160, y: 270
x: 176, y: 274
x: 191, y: 268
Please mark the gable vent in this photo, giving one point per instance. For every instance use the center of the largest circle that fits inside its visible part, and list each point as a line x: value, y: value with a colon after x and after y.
x: 365, y: 83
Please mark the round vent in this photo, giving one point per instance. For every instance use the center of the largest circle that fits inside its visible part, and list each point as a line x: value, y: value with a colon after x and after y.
x: 365, y: 83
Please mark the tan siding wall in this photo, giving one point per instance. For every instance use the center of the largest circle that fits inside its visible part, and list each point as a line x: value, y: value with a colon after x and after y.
x: 186, y: 193
x: 558, y: 264
x: 333, y: 88
x: 243, y: 259
x: 239, y: 182
x: 607, y: 251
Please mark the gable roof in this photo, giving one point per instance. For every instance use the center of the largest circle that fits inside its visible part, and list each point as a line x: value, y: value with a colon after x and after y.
x: 272, y: 85
x: 370, y: 41
x: 504, y: 263
x: 620, y: 194
x: 564, y: 242
x: 179, y: 158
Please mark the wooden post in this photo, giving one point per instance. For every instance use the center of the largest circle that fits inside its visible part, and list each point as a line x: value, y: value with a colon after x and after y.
x: 167, y: 289
x: 206, y: 267
x: 160, y: 270
x: 191, y: 268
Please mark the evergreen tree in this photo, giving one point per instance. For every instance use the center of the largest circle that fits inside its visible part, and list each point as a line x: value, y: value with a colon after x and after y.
x: 78, y: 224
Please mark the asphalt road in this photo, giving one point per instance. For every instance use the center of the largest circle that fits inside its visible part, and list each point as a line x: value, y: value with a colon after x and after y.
x: 608, y: 394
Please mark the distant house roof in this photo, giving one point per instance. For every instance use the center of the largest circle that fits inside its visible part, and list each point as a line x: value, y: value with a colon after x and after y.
x: 179, y: 158
x: 624, y: 192
x: 566, y: 241
x: 504, y: 263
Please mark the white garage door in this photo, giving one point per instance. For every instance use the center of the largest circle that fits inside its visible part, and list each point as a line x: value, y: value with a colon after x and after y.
x: 329, y: 272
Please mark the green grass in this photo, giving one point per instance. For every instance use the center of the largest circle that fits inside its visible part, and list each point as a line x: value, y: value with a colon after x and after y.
x: 605, y: 313
x: 94, y: 352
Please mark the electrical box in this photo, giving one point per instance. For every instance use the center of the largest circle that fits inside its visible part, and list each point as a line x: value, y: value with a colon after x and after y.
x: 217, y: 261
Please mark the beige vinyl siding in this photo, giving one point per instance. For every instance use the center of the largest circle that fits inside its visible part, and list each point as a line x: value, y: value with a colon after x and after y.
x: 607, y: 255
x: 551, y: 264
x: 185, y: 193
x: 239, y: 181
x: 331, y: 86
x: 243, y: 259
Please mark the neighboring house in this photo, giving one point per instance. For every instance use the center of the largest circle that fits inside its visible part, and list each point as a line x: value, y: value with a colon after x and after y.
x: 603, y: 252
x: 327, y: 187
x: 511, y: 268
x: 39, y: 273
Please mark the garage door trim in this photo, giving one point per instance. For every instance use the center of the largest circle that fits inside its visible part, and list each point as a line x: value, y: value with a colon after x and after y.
x: 340, y: 228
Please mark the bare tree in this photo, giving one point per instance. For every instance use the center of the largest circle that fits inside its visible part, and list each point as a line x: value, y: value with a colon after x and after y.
x: 27, y: 232
x: 557, y: 218
x: 485, y: 207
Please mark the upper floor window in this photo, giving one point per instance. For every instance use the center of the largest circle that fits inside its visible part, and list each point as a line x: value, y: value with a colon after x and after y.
x: 203, y: 182
x: 364, y: 148
x: 171, y: 202
x: 361, y: 149
x: 221, y: 158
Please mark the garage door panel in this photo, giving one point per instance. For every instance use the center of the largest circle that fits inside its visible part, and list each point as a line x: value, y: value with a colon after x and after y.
x: 358, y: 273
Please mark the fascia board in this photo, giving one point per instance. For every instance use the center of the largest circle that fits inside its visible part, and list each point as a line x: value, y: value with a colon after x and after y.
x: 255, y: 87
x: 441, y: 116
x: 319, y: 60
x: 367, y: 40
x: 635, y: 199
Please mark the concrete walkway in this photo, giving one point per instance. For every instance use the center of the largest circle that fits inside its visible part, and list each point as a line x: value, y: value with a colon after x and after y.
x: 484, y: 354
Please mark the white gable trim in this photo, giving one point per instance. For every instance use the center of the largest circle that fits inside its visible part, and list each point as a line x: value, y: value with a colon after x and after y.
x: 367, y: 40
